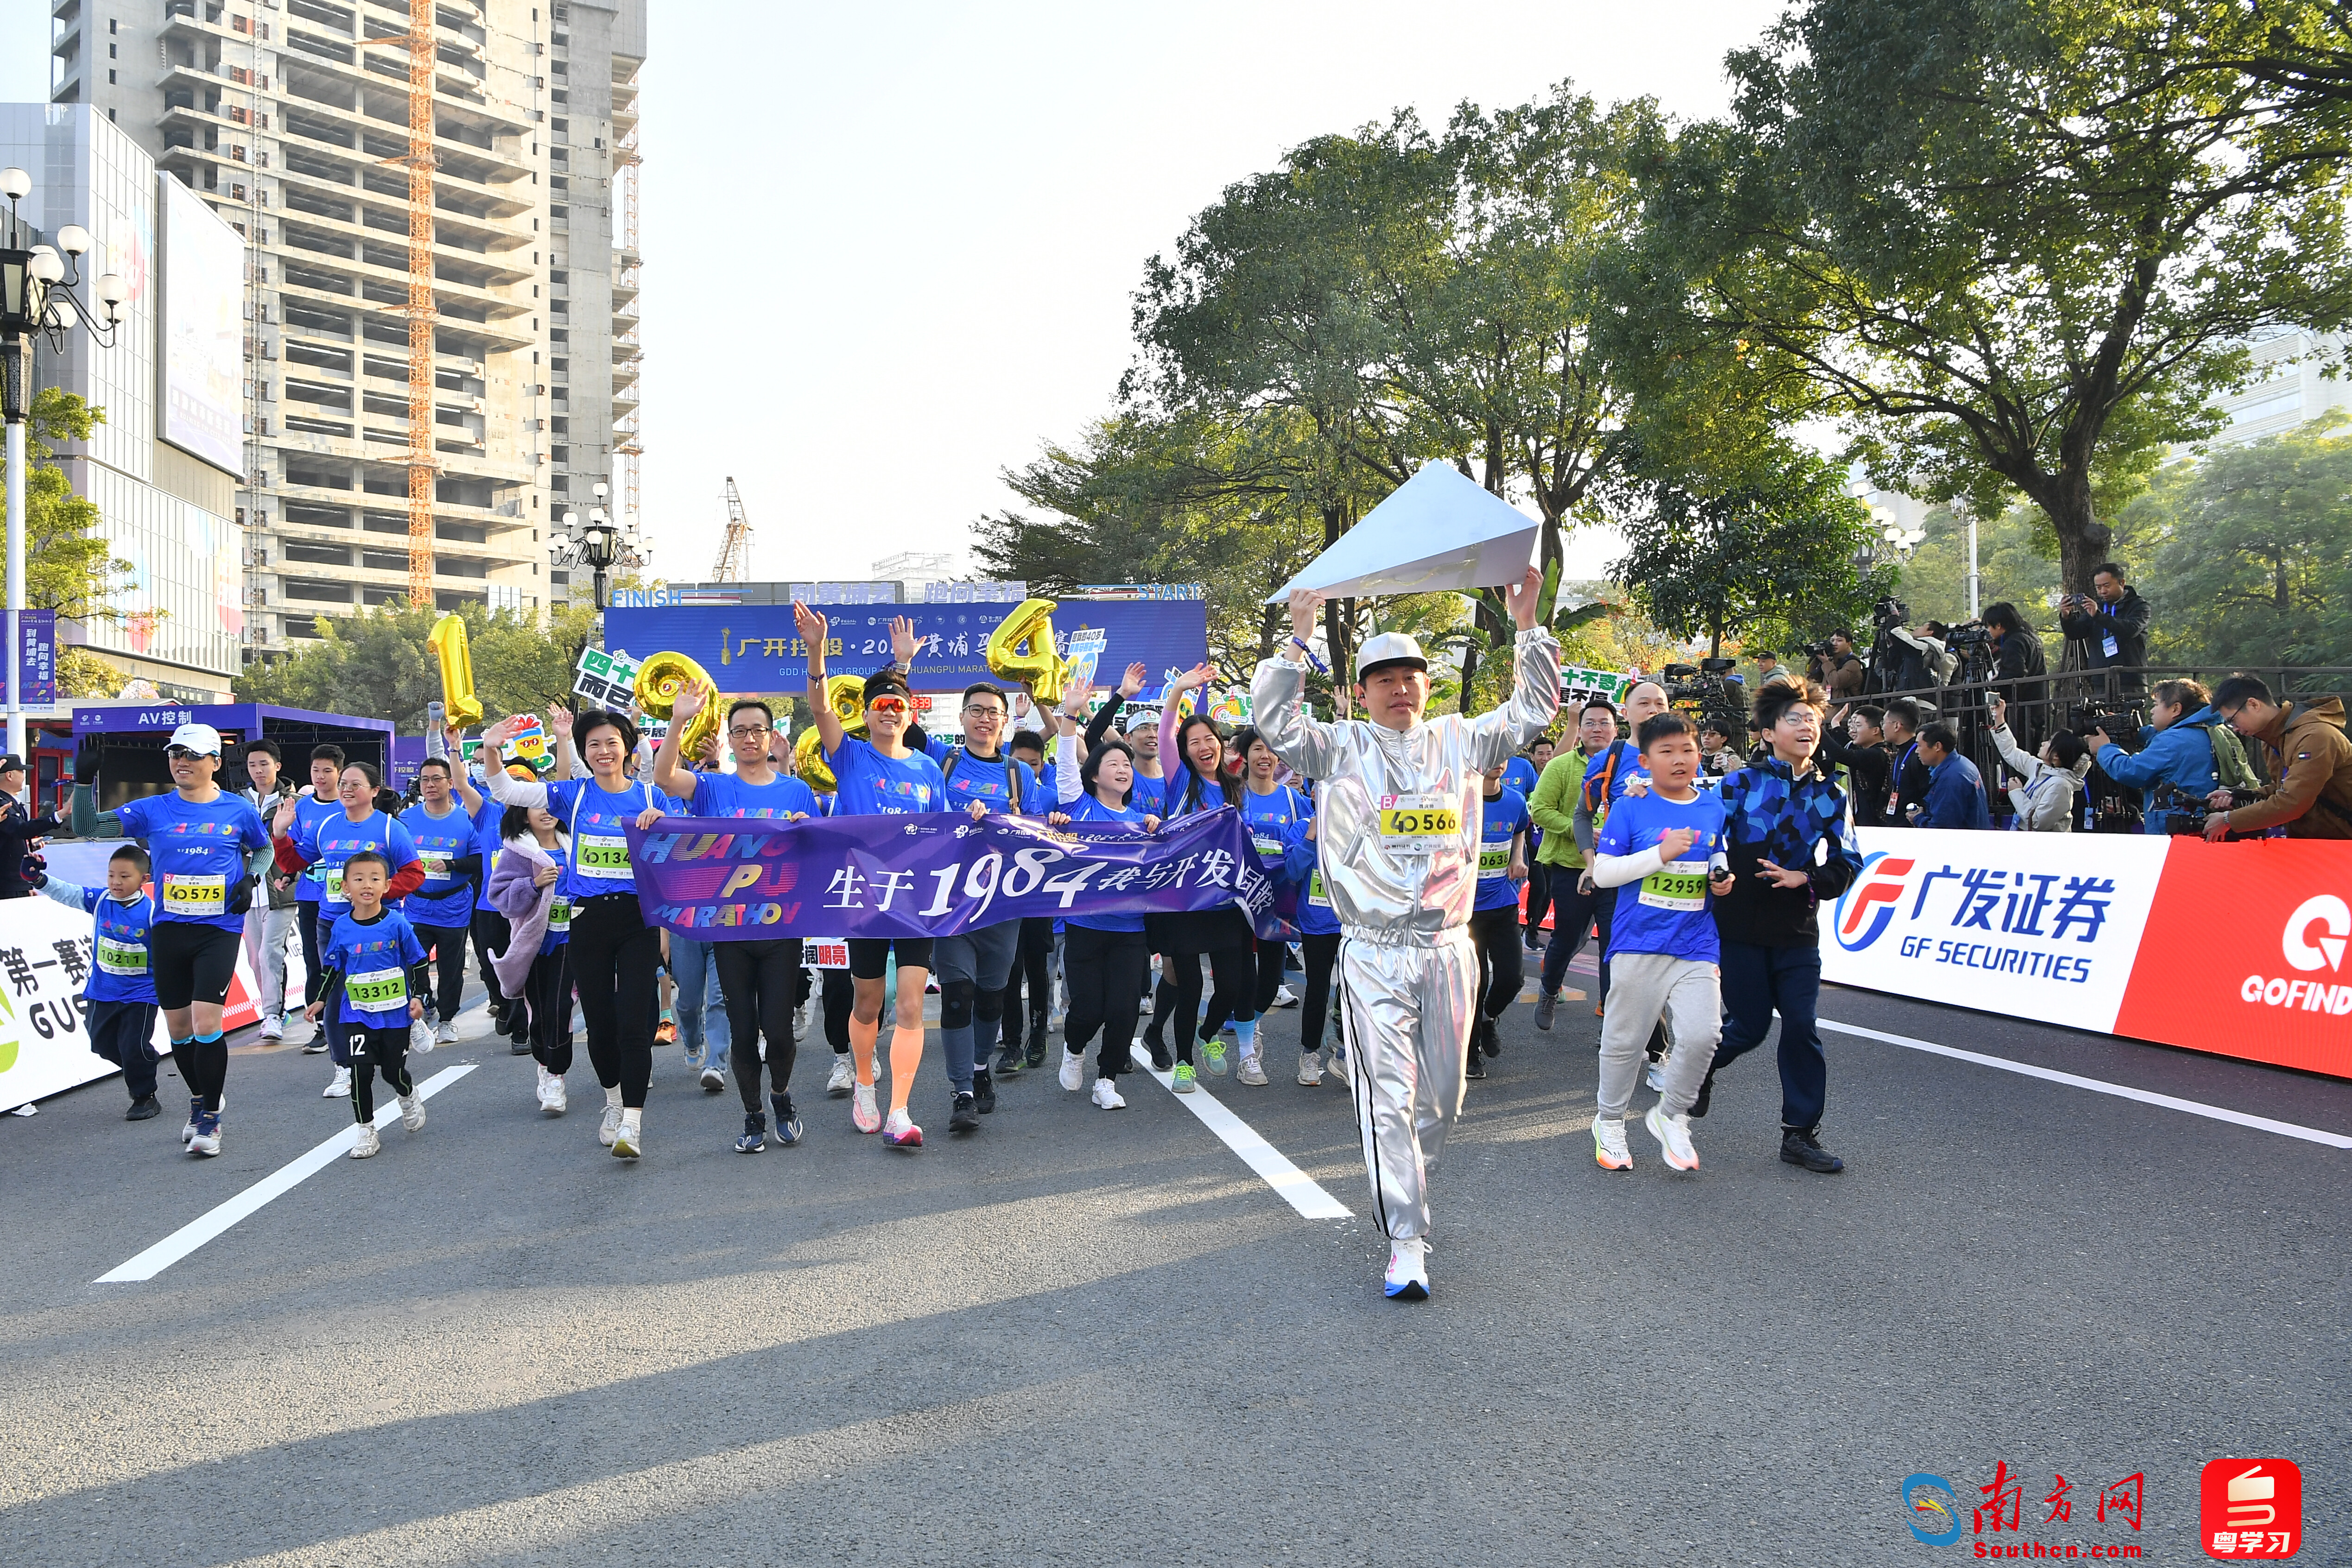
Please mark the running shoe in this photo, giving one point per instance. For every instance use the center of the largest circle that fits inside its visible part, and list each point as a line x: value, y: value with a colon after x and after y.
x: 1284, y: 998
x: 338, y: 1087
x: 366, y: 1145
x: 1799, y: 1146
x: 1547, y: 1004
x: 963, y: 1116
x: 1184, y: 1079
x: 713, y: 1080
x: 1216, y: 1054
x: 983, y: 1091
x: 628, y: 1142
x: 1335, y: 1063
x: 1162, y: 1059
x: 1474, y: 1065
x: 143, y: 1108
x: 206, y: 1142
x: 1408, y: 1276
x: 1491, y: 1038
x: 411, y: 1113
x: 273, y: 1026
x: 755, y: 1134
x: 610, y: 1127
x: 420, y: 1038
x: 1609, y: 1147
x: 549, y: 1083
x: 667, y: 1034
x: 901, y: 1133
x: 317, y: 1044
x: 196, y: 1114
x: 692, y: 1057
x: 1074, y: 1071
x: 1310, y: 1068
x: 864, y: 1115
x: 1106, y: 1094
x: 844, y: 1078
x: 788, y: 1126
x: 446, y: 1034
x: 1656, y: 1078
x: 1036, y: 1054
x: 800, y: 1022
x: 1009, y: 1059
x: 1672, y: 1133
x: 518, y: 1045
x: 1252, y: 1071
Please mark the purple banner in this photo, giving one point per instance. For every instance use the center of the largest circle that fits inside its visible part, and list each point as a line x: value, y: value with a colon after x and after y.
x: 744, y: 879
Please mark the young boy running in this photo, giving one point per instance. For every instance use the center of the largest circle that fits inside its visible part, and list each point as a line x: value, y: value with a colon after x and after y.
x: 1663, y: 949
x: 121, y: 990
x: 367, y: 955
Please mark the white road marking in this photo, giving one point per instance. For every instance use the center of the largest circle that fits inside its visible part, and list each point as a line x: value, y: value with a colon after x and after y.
x: 2098, y: 1086
x: 1299, y: 1189
x: 211, y: 1223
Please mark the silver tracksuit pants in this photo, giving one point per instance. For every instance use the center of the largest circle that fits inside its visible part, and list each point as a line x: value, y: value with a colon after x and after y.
x: 1406, y: 1010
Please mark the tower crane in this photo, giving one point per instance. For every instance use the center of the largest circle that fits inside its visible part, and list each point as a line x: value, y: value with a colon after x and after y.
x: 735, y: 554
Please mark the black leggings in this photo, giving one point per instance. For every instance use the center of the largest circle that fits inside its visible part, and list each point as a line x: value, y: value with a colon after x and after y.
x: 306, y: 920
x: 547, y: 996
x: 444, y: 944
x: 614, y: 955
x: 375, y: 1051
x: 491, y: 935
x: 1273, y: 953
x: 840, y: 992
x: 1502, y: 965
x: 1539, y: 898
x: 1233, y: 975
x: 763, y: 982
x: 1322, y: 953
x: 1106, y: 978
x: 1032, y: 961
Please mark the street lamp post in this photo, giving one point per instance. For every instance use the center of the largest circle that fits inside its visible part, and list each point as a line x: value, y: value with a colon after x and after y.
x: 598, y: 545
x: 36, y: 299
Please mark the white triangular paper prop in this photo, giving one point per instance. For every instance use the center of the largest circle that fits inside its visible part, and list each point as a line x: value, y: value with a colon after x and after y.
x: 1436, y: 532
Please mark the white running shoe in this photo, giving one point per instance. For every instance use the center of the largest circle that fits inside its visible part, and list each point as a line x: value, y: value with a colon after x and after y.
x: 206, y: 1142
x: 1284, y: 998
x: 1106, y: 1094
x: 844, y: 1078
x: 800, y: 1022
x: 1656, y: 1078
x: 628, y: 1142
x: 901, y: 1133
x: 1310, y: 1068
x: 1408, y: 1276
x: 367, y: 1144
x: 1335, y: 1063
x: 273, y: 1026
x: 1073, y: 1069
x: 1252, y: 1071
x: 420, y: 1037
x: 610, y: 1128
x: 446, y: 1034
x: 338, y: 1087
x: 411, y: 1113
x: 1672, y: 1133
x: 195, y: 1109
x: 713, y: 1080
x: 864, y: 1115
x: 1609, y: 1147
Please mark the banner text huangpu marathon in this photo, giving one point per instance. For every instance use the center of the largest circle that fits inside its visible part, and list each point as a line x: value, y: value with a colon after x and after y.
x: 2237, y: 949
x: 754, y: 647
x: 745, y: 879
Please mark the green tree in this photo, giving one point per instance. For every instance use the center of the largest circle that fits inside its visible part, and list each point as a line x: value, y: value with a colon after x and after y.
x: 69, y: 566
x: 2016, y: 244
x: 2252, y: 555
x: 377, y: 662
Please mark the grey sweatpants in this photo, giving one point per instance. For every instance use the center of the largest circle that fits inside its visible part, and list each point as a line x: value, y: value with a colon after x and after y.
x: 1641, y: 987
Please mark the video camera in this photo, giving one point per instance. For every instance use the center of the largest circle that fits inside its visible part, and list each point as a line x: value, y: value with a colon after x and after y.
x: 1706, y: 687
x: 1967, y: 635
x: 2121, y: 719
x: 1889, y: 611
x: 2183, y: 812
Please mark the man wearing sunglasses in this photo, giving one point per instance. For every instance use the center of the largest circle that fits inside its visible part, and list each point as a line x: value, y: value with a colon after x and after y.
x: 981, y: 777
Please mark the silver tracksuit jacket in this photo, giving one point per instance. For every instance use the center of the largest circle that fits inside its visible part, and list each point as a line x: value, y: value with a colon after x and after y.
x: 1408, y: 970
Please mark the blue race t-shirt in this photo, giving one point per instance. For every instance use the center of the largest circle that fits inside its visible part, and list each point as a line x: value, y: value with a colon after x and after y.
x: 1505, y: 819
x: 1174, y: 787
x: 486, y: 822
x: 970, y: 779
x: 118, y: 969
x: 327, y: 844
x: 311, y: 810
x: 444, y: 898
x: 559, y: 908
x: 729, y: 795
x: 1087, y: 809
x: 1300, y: 864
x: 872, y: 785
x: 1148, y: 795
x: 598, y: 821
x: 200, y: 853
x: 1519, y: 773
x: 374, y: 959
x: 1666, y: 911
x: 1268, y: 818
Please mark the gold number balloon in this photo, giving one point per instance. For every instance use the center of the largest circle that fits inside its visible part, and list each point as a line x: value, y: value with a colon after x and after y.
x: 1021, y: 650
x: 845, y: 696
x: 661, y: 678
x: 448, y: 644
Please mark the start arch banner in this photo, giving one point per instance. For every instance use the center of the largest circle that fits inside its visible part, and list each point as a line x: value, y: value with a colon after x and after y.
x: 2237, y: 949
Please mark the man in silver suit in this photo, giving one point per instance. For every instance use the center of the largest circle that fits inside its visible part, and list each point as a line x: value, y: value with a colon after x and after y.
x: 1398, y: 818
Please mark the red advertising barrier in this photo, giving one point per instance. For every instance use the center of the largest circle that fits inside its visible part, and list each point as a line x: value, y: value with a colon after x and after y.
x: 2244, y: 953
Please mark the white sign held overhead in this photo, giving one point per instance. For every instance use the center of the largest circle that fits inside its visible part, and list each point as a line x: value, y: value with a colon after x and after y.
x: 1437, y: 532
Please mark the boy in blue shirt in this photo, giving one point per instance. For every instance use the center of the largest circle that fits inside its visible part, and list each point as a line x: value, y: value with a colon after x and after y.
x: 121, y: 990
x: 1657, y: 847
x: 367, y: 955
x: 1494, y: 913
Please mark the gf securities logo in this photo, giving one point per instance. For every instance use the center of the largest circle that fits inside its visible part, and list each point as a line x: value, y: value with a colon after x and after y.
x: 1867, y: 908
x: 2312, y: 941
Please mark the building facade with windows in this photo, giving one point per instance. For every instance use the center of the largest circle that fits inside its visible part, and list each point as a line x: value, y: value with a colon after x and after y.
x: 290, y: 119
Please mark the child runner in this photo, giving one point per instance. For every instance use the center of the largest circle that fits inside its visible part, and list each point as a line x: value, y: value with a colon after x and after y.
x: 369, y: 952
x: 878, y: 777
x: 441, y: 826
x: 535, y: 966
x: 1495, y: 916
x: 1104, y: 956
x: 1656, y: 849
x: 121, y: 991
x: 200, y: 839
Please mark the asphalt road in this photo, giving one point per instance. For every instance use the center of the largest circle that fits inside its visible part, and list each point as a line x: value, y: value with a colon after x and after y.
x: 1101, y: 1338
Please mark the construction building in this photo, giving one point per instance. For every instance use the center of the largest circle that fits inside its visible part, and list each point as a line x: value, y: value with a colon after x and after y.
x: 301, y: 124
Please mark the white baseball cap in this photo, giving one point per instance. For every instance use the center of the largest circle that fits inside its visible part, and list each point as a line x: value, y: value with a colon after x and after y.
x: 1141, y: 718
x: 1389, y: 648
x: 201, y: 738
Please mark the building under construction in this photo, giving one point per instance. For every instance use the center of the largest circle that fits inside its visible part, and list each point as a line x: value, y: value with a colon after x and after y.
x: 431, y: 384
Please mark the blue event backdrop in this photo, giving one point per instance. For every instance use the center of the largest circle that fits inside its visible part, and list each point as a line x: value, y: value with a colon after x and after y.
x: 753, y: 647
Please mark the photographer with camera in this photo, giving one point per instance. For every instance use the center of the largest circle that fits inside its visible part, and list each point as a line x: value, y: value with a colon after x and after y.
x: 2050, y: 786
x: 1833, y: 665
x: 2110, y: 624
x: 1869, y: 770
x: 2180, y: 754
x: 2304, y: 743
x: 1955, y: 792
x: 2017, y: 657
x: 1901, y: 660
